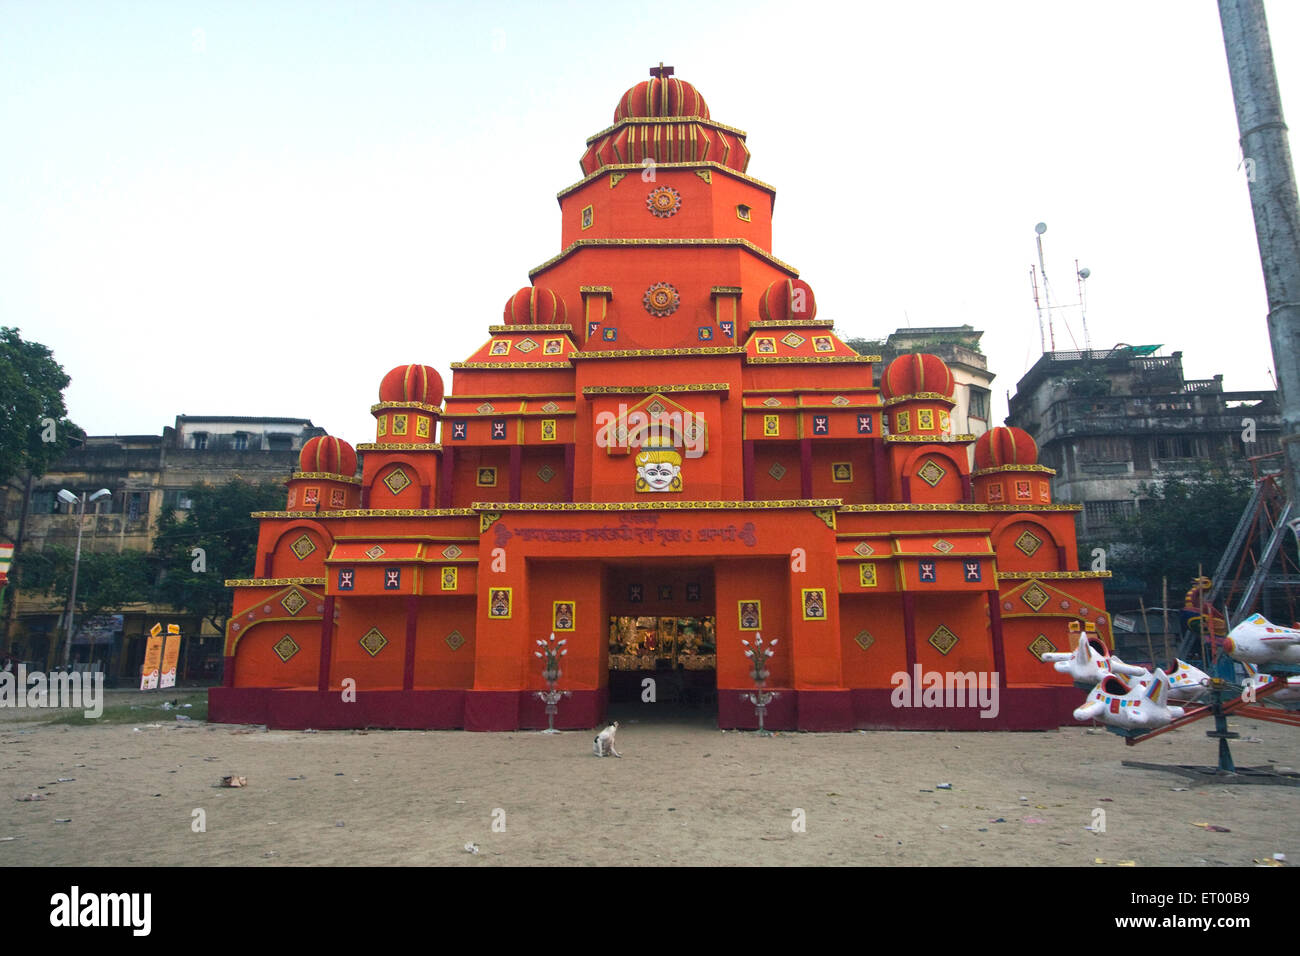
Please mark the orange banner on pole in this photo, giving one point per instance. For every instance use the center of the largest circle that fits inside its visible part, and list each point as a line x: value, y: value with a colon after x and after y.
x: 152, y: 659
x: 171, y: 653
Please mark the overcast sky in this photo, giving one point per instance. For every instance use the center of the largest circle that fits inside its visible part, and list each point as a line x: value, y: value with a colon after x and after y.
x: 248, y: 208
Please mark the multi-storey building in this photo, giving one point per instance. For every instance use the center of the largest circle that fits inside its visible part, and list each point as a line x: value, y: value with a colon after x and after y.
x: 1109, y: 420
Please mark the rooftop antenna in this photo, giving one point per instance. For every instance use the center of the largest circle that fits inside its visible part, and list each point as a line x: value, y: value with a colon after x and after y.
x: 1083, y: 301
x: 1047, y: 289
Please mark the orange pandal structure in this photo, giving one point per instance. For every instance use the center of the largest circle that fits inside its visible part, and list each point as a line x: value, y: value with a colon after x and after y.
x: 659, y: 451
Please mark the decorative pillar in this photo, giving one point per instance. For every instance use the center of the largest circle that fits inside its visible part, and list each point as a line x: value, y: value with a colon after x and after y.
x: 446, y: 476
x: 517, y: 470
x: 748, y: 446
x: 326, y: 644
x: 408, y: 668
x: 805, y: 467
x: 909, y: 629
x: 570, y: 453
x: 995, y: 626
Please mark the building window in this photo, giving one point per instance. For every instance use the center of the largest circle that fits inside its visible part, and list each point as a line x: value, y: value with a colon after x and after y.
x: 44, y: 503
x: 1106, y: 514
x: 979, y: 403
x: 241, y: 441
x: 1104, y: 449
x: 742, y: 212
x: 1180, y: 446
x: 200, y: 440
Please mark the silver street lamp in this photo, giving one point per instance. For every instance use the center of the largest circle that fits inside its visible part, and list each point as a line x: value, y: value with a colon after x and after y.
x: 68, y: 497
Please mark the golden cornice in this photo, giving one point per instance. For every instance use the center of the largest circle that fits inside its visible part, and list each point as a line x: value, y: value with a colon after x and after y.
x: 735, y: 243
x: 503, y: 329
x: 811, y: 359
x: 932, y: 439
x: 273, y: 582
x: 726, y: 290
x: 997, y: 469
x: 399, y: 446
x: 322, y: 476
x: 658, y: 505
x: 515, y: 413
x: 916, y: 506
x: 551, y: 365
x: 1050, y: 575
x: 793, y: 323
x: 652, y: 389
x: 921, y: 397
x: 598, y: 289
x: 637, y: 167
x: 369, y: 513
x: 1033, y: 507
x: 380, y: 406
x: 649, y: 353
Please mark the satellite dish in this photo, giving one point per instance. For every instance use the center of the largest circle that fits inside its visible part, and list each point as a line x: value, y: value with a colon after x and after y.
x: 1085, y: 272
x: 1040, y: 228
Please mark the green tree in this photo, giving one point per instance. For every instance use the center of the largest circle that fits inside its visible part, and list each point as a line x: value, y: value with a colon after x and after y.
x: 865, y: 346
x: 220, y: 525
x: 1182, y: 523
x: 107, y: 580
x: 34, y: 428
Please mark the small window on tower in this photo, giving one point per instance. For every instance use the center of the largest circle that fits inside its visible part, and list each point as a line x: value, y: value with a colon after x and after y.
x: 588, y: 217
x: 742, y: 212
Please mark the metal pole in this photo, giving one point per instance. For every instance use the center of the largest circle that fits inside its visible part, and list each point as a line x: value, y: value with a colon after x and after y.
x: 72, y: 596
x: 1271, y: 180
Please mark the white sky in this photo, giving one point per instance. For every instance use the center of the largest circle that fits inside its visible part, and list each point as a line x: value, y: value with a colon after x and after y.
x: 259, y: 208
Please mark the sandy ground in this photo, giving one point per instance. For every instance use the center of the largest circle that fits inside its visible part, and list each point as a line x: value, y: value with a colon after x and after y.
x: 683, y: 793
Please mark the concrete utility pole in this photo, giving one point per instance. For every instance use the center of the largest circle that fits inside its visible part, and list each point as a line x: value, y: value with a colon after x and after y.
x: 1273, y: 198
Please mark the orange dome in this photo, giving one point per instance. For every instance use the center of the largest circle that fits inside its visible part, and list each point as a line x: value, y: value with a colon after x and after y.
x: 661, y: 97
x: 330, y: 455
x: 786, y: 300
x: 412, y: 383
x: 1005, y: 445
x: 535, y: 306
x: 918, y: 372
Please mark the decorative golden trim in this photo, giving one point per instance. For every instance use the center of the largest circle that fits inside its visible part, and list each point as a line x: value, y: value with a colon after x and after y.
x: 936, y: 439
x: 1050, y: 575
x: 551, y: 365
x: 1001, y: 468
x: 921, y: 397
x: 380, y: 406
x: 1030, y: 507
x: 322, y: 476
x: 598, y: 289
x: 273, y: 582
x: 726, y: 290
x: 665, y: 121
x: 504, y: 329
x: 849, y: 390
x: 643, y: 353
x: 917, y: 506
x: 721, y: 243
x: 615, y: 179
x: 368, y: 513
x: 794, y: 323
x: 812, y: 359
x: 399, y: 446
x: 498, y: 506
x: 652, y: 389
x: 515, y: 413
x: 705, y: 175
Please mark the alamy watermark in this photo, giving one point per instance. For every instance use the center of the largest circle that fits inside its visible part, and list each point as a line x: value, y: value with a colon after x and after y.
x: 83, y: 690
x: 635, y: 429
x: 975, y: 689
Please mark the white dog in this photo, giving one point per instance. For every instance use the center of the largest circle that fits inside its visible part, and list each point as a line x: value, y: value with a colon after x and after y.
x: 604, y: 743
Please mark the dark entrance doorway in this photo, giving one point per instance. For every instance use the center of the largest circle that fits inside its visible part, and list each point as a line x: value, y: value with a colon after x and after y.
x: 662, y: 643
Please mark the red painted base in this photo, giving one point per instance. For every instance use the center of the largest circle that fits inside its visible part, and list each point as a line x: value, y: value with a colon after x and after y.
x: 1037, y: 707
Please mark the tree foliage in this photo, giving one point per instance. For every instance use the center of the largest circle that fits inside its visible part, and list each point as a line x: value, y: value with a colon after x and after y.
x: 107, y: 581
x: 221, y: 525
x: 1182, y: 523
x: 34, y: 428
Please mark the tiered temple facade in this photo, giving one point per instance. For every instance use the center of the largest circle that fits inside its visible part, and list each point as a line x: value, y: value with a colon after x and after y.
x: 661, y: 429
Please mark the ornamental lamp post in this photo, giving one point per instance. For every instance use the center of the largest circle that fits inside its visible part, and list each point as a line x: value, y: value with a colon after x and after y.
x: 760, y: 698
x: 69, y: 498
x: 550, y: 653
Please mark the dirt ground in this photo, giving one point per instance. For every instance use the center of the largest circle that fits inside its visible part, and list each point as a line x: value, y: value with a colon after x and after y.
x: 683, y: 793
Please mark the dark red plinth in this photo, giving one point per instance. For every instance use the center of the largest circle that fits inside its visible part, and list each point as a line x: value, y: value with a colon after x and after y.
x: 1040, y: 707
